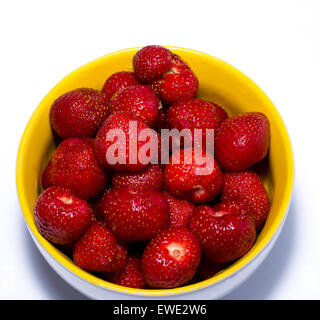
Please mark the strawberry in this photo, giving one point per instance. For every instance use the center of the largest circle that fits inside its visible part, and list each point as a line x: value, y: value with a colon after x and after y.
x: 73, y: 165
x: 97, y: 249
x: 105, y: 146
x: 184, y: 180
x: 150, y: 178
x: 169, y: 76
x: 151, y: 62
x: 118, y: 81
x: 61, y: 217
x: 78, y: 113
x: 195, y: 113
x: 121, y: 258
x: 179, y: 210
x: 247, y: 186
x: 139, y: 100
x: 178, y: 83
x: 226, y: 231
x: 242, y: 141
x: 171, y: 258
x: 130, y: 276
x: 135, y: 215
x: 176, y: 86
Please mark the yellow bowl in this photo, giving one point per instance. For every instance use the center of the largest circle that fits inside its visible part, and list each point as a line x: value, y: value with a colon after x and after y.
x: 219, y: 82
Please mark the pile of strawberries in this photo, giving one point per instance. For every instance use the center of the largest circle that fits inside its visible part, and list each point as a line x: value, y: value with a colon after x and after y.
x: 149, y: 225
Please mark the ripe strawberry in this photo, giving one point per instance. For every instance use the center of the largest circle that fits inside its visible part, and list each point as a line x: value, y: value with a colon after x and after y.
x: 169, y: 76
x: 74, y: 166
x: 130, y: 276
x: 150, y: 178
x: 178, y: 83
x: 121, y: 258
x: 195, y: 113
x: 226, y: 231
x: 78, y: 113
x: 242, y: 141
x: 61, y: 217
x: 179, y: 210
x: 184, y: 180
x: 247, y: 186
x: 178, y: 64
x: 118, y: 81
x: 171, y: 258
x: 106, y: 146
x: 139, y: 100
x: 97, y: 249
x: 135, y: 215
x: 175, y: 87
x: 151, y: 62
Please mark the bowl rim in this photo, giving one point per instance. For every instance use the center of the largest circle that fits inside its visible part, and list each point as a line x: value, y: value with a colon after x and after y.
x: 226, y: 273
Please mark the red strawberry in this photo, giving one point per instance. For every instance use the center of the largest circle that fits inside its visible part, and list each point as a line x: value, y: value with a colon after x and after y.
x: 97, y: 249
x: 179, y: 210
x: 150, y: 178
x: 135, y: 215
x: 171, y: 258
x: 176, y: 86
x: 178, y: 83
x: 247, y: 186
x: 242, y: 141
x: 73, y: 165
x: 130, y: 276
x: 184, y: 180
x: 121, y: 258
x: 178, y: 64
x: 106, y: 146
x: 139, y: 100
x: 195, y: 113
x: 61, y: 217
x: 226, y: 231
x: 78, y: 113
x: 207, y: 269
x: 151, y: 62
x: 118, y: 81
x: 170, y: 77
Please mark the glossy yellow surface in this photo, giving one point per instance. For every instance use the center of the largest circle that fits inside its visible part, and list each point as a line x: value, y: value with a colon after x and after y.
x: 219, y: 82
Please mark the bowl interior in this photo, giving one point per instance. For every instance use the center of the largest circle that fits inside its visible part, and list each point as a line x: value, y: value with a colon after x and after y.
x: 219, y: 82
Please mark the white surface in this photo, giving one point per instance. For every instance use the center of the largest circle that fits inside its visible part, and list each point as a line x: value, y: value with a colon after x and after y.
x: 276, y: 43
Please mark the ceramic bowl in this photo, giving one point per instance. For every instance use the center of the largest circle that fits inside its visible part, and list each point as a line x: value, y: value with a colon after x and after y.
x: 219, y: 82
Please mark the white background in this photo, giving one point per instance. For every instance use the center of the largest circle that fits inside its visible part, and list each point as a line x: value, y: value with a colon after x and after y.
x: 276, y: 43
